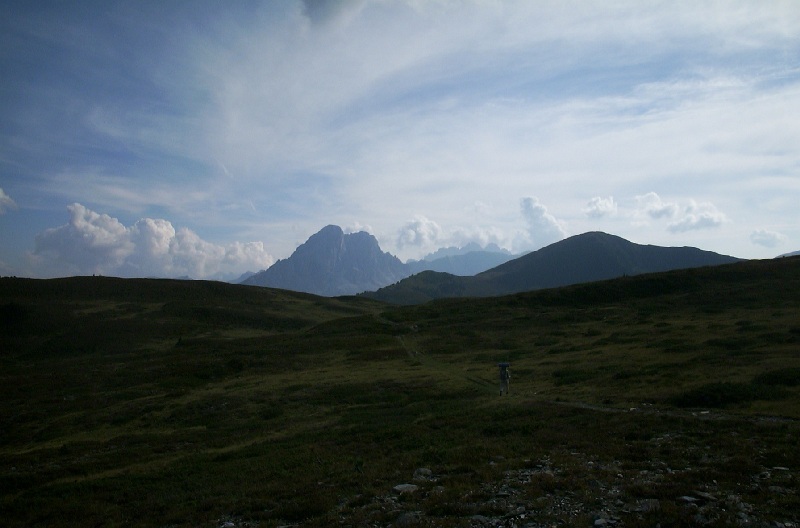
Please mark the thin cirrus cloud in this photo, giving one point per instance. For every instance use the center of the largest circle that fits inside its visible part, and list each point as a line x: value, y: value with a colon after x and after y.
x: 6, y: 203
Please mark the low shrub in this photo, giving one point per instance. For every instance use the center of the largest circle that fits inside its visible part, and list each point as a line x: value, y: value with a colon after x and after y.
x: 715, y: 395
x: 788, y: 377
x: 568, y: 376
x: 719, y: 395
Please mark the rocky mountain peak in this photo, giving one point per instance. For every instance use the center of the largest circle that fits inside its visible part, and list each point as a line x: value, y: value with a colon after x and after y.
x: 333, y: 263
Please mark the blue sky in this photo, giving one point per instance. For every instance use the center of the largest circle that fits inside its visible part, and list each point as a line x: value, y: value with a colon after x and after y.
x: 210, y: 138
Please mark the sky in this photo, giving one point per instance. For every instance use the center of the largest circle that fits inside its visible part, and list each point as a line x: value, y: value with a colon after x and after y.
x: 205, y: 139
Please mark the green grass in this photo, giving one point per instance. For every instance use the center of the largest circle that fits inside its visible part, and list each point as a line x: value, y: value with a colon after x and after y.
x: 169, y: 403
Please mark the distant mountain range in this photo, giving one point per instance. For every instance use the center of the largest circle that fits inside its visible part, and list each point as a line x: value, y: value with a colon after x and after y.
x: 583, y: 258
x: 469, y: 260
x: 331, y: 263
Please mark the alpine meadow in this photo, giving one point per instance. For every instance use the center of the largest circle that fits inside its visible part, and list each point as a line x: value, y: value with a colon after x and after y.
x: 663, y: 399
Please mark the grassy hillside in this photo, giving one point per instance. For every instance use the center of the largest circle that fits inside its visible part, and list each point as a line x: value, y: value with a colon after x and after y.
x: 171, y: 403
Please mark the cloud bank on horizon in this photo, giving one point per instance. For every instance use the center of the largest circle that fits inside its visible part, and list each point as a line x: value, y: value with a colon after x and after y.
x: 204, y: 139
x: 98, y: 244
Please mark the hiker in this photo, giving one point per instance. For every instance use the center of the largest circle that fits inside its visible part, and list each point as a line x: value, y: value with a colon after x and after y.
x: 505, y: 376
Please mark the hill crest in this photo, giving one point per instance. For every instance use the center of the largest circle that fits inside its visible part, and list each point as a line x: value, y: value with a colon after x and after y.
x: 588, y: 257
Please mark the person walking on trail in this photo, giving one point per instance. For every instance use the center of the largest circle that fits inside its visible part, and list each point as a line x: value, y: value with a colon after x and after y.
x: 505, y: 377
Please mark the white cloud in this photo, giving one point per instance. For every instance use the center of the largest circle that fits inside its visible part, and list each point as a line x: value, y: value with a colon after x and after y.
x: 599, y: 207
x: 653, y: 206
x: 482, y: 236
x: 357, y: 227
x: 419, y: 232
x: 6, y: 203
x: 324, y: 11
x: 98, y: 243
x: 238, y: 253
x: 698, y: 216
x: 89, y: 243
x: 542, y: 227
x: 766, y: 238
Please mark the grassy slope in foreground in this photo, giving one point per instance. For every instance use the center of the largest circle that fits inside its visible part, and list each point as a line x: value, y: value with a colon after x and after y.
x: 184, y: 403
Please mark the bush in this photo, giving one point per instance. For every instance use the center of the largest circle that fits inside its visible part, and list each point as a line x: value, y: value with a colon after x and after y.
x: 569, y: 376
x: 715, y: 395
x: 718, y: 395
x: 789, y: 377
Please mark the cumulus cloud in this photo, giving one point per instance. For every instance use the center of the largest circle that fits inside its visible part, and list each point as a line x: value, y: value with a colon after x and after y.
x: 6, y: 203
x: 766, y: 238
x: 599, y: 207
x: 419, y: 232
x: 698, y: 216
x: 357, y: 227
x: 89, y: 243
x: 482, y: 236
x: 542, y: 227
x: 97, y: 243
x: 653, y: 206
x: 691, y: 217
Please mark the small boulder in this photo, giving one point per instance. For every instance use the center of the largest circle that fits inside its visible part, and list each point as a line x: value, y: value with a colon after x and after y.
x: 423, y: 474
x: 405, y: 488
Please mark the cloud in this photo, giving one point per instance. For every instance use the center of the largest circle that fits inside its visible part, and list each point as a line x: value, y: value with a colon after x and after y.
x: 357, y: 227
x: 543, y: 227
x: 89, y: 243
x: 321, y: 11
x: 652, y: 205
x: 97, y: 243
x: 482, y: 236
x: 766, y: 238
x: 698, y: 216
x: 6, y: 203
x: 692, y: 217
x: 400, y: 107
x: 419, y: 232
x: 599, y: 207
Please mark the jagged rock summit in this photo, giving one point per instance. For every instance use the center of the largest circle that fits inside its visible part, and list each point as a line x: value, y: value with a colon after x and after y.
x: 332, y: 263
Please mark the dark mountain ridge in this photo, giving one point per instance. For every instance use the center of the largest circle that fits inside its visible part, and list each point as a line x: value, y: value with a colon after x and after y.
x: 582, y: 258
x: 593, y: 256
